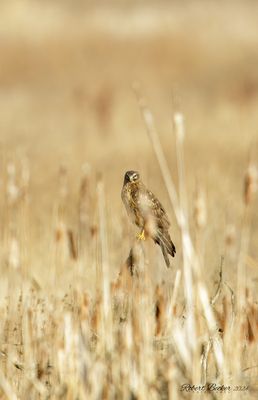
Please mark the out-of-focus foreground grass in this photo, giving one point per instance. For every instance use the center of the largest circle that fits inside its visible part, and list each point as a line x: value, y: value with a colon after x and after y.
x: 70, y: 126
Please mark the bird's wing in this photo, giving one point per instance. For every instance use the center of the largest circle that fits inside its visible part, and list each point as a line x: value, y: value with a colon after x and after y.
x: 157, y: 210
x: 149, y: 203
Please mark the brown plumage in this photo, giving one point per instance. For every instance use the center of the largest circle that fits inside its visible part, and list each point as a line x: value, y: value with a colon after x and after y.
x: 143, y: 207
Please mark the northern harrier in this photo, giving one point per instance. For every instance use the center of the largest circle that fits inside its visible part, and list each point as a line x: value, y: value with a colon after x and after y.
x: 143, y: 207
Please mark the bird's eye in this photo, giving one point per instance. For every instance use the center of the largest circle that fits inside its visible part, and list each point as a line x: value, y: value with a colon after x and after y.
x: 135, y: 177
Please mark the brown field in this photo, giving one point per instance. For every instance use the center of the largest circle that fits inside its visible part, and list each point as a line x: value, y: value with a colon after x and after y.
x: 74, y: 323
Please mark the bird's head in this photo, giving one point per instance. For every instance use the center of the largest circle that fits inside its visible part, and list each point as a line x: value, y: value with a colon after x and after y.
x: 131, y: 176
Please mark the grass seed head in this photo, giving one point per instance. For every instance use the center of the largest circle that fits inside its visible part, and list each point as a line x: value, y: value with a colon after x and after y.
x: 200, y: 210
x: 250, y: 183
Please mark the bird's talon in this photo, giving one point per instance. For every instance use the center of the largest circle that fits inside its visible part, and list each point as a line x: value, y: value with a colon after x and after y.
x: 141, y: 236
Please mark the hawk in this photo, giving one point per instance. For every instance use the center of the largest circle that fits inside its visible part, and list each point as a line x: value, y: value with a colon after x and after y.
x: 145, y: 210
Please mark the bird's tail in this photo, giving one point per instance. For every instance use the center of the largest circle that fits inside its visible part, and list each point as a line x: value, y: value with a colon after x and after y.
x: 167, y: 246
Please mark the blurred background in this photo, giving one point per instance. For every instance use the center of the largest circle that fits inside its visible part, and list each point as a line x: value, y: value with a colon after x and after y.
x: 67, y: 104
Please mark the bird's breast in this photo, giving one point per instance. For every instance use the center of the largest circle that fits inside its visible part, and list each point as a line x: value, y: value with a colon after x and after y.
x: 129, y: 197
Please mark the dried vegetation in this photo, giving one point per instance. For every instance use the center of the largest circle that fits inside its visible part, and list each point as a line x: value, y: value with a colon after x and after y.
x: 76, y: 322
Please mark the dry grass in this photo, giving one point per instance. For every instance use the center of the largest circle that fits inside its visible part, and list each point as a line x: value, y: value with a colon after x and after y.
x: 74, y: 323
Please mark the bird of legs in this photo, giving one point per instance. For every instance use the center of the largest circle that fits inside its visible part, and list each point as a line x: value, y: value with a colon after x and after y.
x: 141, y: 235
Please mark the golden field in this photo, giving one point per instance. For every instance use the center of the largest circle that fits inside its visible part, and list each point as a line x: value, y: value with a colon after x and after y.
x: 74, y: 323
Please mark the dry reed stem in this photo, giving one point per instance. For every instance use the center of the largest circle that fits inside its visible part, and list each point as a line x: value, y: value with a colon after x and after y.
x: 105, y: 277
x: 190, y: 261
x: 249, y: 189
x: 149, y: 123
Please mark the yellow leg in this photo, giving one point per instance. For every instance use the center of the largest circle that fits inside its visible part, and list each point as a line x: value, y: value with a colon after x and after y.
x: 141, y: 235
